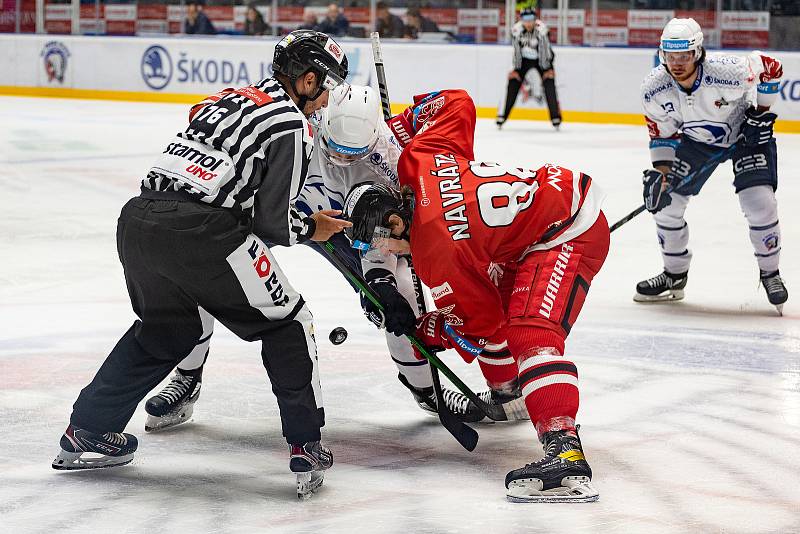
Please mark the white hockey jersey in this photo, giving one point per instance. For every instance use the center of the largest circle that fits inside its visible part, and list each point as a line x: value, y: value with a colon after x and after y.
x: 711, y: 112
x: 327, y: 184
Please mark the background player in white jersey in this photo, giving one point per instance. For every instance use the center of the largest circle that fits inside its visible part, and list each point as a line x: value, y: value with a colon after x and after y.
x: 700, y: 111
x: 352, y: 146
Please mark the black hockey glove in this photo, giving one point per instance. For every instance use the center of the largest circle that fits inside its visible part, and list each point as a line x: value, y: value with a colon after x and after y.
x: 757, y: 127
x: 655, y: 196
x: 397, y: 317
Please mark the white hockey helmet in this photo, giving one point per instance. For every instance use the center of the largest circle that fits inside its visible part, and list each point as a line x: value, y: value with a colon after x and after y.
x: 681, y: 35
x: 350, y: 124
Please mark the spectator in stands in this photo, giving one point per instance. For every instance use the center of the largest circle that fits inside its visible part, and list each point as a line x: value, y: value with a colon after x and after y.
x: 196, y: 21
x: 416, y: 23
x: 254, y: 23
x: 334, y: 23
x: 388, y: 24
x: 309, y: 21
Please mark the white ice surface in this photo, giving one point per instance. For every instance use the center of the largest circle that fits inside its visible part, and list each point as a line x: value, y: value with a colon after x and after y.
x: 690, y: 411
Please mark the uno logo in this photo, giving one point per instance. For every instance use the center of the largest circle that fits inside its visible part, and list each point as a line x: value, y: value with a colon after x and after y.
x: 198, y: 171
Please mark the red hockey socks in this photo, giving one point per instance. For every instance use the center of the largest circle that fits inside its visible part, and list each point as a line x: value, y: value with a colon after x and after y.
x: 549, y: 382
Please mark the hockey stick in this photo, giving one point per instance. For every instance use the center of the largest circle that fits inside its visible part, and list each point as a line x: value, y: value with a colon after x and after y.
x: 447, y: 418
x: 465, y: 435
x: 685, y: 180
x: 378, y: 57
x: 494, y: 412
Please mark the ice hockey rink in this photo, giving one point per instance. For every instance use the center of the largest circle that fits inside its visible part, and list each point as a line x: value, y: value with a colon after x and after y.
x: 690, y: 411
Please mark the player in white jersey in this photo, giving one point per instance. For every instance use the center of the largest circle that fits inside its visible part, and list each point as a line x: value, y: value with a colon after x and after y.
x: 702, y: 110
x: 352, y: 145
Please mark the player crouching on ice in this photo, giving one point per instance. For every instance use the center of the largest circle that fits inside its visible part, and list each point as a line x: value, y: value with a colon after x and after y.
x: 457, y: 217
x: 700, y: 112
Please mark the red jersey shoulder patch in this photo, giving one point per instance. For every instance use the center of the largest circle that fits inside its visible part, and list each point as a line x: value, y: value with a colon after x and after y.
x: 254, y: 95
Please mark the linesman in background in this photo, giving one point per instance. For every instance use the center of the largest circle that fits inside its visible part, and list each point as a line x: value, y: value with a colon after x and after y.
x: 532, y: 50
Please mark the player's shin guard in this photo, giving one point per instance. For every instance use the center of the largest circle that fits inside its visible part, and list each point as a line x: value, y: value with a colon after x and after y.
x: 760, y: 208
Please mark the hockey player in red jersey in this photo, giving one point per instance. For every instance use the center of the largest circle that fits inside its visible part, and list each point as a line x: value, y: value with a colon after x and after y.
x: 509, y: 254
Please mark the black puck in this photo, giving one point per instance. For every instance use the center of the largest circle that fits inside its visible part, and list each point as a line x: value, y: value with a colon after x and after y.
x: 338, y: 335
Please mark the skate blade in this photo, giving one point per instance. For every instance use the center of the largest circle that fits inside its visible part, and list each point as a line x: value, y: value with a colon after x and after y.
x: 573, y: 489
x: 779, y: 307
x: 675, y: 294
x: 155, y: 424
x: 307, y: 483
x: 71, y: 461
x: 516, y: 410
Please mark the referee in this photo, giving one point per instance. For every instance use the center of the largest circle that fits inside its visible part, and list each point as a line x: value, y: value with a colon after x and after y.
x: 532, y: 50
x: 195, y: 237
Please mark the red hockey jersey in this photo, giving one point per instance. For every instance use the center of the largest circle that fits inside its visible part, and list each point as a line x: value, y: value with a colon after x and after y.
x: 471, y: 214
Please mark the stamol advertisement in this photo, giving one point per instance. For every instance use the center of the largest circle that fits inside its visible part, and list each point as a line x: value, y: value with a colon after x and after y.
x: 588, y: 79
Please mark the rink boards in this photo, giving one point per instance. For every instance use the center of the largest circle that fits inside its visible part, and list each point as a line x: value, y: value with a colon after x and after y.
x: 594, y: 84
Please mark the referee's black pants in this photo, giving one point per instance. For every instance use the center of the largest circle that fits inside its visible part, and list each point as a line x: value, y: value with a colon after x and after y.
x: 179, y: 255
x: 514, y: 85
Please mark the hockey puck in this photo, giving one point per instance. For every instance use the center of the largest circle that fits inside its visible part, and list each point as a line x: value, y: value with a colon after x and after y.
x: 338, y: 335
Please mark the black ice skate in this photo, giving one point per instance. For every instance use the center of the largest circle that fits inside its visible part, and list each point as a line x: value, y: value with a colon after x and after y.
x: 174, y: 404
x: 776, y: 290
x: 556, y: 123
x: 510, y: 399
x: 665, y: 286
x: 458, y: 403
x: 309, y: 461
x: 101, y: 450
x: 563, y: 475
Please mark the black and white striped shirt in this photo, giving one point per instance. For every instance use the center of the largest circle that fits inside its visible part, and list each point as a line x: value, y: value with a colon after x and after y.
x: 534, y: 45
x: 247, y: 150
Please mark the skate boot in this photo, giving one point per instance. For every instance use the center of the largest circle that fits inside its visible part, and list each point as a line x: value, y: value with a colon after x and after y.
x: 309, y: 462
x: 456, y: 402
x: 563, y: 475
x: 776, y: 290
x: 102, y: 450
x: 556, y: 122
x: 174, y: 404
x: 500, y: 122
x: 665, y: 286
x: 510, y: 398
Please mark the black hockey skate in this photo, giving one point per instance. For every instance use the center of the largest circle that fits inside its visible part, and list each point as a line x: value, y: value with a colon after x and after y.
x: 511, y: 400
x: 309, y: 462
x: 174, y: 404
x: 662, y: 287
x: 102, y: 450
x: 775, y: 288
x: 563, y: 475
x: 457, y: 402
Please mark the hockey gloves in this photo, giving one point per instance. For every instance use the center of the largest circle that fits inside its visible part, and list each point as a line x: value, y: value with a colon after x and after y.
x: 437, y: 335
x: 757, y: 127
x: 397, y: 316
x: 656, y: 198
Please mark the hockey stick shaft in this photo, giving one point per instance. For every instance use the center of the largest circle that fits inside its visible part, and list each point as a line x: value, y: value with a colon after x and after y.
x: 382, y: 87
x: 467, y: 437
x: 492, y: 411
x: 685, y: 180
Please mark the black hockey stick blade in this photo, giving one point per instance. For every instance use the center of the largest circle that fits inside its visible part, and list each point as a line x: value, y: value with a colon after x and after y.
x: 465, y: 435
